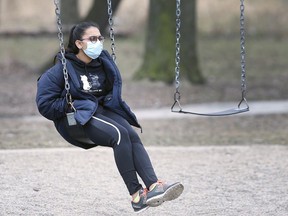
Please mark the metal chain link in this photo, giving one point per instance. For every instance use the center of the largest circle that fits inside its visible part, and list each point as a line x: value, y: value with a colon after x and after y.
x: 62, y: 50
x: 242, y: 47
x: 111, y: 30
x: 177, y: 54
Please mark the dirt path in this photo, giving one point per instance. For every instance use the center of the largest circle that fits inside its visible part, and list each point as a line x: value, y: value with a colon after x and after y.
x: 226, y: 180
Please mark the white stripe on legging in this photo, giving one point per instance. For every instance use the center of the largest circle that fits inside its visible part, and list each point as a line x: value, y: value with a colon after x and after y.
x: 119, y: 134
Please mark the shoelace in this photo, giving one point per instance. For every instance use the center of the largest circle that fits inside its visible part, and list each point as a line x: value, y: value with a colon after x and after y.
x: 145, y: 191
x: 160, y: 182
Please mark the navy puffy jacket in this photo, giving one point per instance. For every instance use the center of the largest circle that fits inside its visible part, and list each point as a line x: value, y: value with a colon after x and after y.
x: 51, y: 100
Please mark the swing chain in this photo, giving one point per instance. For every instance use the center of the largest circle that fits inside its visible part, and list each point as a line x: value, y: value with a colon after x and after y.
x: 62, y: 51
x: 242, y: 52
x: 111, y: 32
x: 177, y: 54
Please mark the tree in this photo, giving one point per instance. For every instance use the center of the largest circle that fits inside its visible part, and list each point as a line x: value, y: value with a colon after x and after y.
x: 159, y: 57
x: 98, y: 12
x: 69, y: 13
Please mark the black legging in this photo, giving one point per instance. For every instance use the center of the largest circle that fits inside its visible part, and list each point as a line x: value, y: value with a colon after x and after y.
x: 107, y: 128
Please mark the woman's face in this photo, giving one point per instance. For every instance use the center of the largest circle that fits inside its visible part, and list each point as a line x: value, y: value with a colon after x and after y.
x: 91, y: 31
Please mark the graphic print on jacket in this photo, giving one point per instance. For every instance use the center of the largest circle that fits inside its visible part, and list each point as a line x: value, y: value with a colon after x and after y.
x: 92, y: 84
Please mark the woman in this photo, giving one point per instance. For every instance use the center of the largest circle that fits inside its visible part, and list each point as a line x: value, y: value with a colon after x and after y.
x: 99, y: 111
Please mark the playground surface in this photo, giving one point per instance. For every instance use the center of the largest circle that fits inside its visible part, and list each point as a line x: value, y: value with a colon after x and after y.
x: 248, y: 176
x: 218, y: 180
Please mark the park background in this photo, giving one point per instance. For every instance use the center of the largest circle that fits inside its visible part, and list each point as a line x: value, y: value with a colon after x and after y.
x: 24, y: 50
x: 234, y: 165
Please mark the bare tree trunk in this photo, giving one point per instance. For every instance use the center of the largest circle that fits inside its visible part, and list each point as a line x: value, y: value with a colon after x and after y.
x: 189, y: 54
x: 69, y: 13
x: 159, y: 57
x: 98, y: 13
x: 159, y: 54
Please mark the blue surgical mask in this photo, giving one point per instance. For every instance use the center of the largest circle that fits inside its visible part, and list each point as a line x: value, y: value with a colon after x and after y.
x: 93, y: 50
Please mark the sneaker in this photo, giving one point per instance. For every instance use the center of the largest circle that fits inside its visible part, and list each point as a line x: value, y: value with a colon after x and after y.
x: 163, y: 192
x: 141, y: 205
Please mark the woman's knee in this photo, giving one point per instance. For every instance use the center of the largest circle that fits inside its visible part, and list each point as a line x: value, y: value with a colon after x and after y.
x: 124, y: 135
x: 119, y: 136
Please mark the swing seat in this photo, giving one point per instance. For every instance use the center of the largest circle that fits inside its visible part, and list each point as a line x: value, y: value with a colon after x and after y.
x: 77, y: 133
x: 228, y: 112
x: 232, y: 111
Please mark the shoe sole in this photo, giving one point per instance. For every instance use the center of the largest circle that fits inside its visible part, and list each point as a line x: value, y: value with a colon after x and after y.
x: 170, y: 194
x: 142, y: 210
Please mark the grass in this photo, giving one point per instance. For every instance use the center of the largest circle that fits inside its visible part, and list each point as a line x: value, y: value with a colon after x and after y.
x: 233, y: 130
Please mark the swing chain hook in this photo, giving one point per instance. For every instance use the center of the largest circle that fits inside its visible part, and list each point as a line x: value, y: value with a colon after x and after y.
x: 111, y: 30
x: 246, y: 103
x: 177, y: 97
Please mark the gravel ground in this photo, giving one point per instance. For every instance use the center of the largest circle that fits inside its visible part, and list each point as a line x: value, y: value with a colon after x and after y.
x: 226, y: 180
x: 219, y: 160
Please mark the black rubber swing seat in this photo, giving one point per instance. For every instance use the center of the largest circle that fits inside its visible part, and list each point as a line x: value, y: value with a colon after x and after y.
x: 239, y: 109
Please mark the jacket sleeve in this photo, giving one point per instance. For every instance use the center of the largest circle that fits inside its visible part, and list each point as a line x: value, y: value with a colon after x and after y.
x: 50, y: 99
